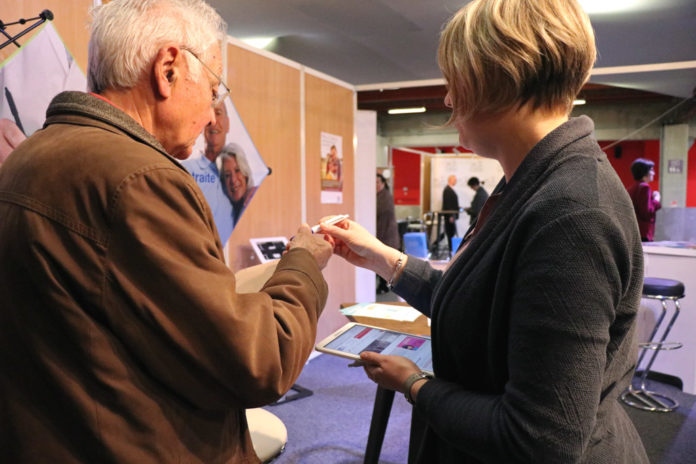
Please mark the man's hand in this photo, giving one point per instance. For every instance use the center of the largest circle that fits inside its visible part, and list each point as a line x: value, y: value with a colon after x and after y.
x: 316, y: 244
x: 10, y: 137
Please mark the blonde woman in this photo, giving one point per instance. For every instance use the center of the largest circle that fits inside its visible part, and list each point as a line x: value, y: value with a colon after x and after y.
x: 533, y: 322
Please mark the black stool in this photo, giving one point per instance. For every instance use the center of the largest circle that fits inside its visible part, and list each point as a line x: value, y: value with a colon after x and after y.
x: 663, y: 290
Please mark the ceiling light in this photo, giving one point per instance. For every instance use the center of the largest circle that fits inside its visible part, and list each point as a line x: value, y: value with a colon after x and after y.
x: 579, y: 101
x: 258, y: 42
x: 610, y: 6
x: 419, y: 109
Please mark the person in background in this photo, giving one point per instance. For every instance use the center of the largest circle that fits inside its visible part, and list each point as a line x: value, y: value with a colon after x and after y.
x: 122, y: 338
x: 479, y: 199
x: 387, y: 229
x: 206, y: 173
x: 533, y: 322
x: 450, y: 202
x: 646, y: 201
x: 237, y: 178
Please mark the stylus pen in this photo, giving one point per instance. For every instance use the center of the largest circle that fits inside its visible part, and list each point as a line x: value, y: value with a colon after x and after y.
x: 332, y: 221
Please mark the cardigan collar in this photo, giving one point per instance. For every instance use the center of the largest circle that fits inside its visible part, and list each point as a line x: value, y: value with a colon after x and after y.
x: 575, y: 133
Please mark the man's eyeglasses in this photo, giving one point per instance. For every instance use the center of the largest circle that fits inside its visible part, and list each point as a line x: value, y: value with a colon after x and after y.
x: 217, y: 99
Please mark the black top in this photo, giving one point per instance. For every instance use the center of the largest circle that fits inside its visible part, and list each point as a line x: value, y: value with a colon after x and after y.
x: 533, y: 323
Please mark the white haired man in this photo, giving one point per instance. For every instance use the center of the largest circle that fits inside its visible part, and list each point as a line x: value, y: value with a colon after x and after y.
x: 122, y: 338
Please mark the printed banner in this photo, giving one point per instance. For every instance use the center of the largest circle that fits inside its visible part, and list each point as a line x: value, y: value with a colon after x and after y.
x: 331, y: 168
x: 33, y: 75
x: 227, y: 167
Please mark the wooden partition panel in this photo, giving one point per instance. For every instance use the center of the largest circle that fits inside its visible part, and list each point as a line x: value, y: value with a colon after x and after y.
x: 330, y: 108
x: 71, y: 20
x: 267, y: 96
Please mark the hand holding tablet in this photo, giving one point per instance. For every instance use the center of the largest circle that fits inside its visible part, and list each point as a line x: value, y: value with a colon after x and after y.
x: 353, y: 338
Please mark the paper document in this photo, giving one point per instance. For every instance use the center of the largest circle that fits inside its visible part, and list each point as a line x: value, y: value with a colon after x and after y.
x: 252, y: 279
x: 382, y: 311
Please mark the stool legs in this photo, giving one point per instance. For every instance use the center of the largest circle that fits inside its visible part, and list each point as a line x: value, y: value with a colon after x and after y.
x: 660, y: 346
x: 642, y: 398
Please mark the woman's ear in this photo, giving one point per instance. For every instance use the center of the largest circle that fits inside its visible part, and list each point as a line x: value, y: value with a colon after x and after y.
x: 166, y: 69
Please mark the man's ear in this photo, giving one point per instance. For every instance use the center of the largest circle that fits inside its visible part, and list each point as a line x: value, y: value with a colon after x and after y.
x: 166, y: 69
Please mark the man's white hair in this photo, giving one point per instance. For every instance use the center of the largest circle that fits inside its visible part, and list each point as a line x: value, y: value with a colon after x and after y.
x: 127, y: 34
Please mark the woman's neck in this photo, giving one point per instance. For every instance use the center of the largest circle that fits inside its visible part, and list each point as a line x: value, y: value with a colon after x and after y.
x: 511, y: 135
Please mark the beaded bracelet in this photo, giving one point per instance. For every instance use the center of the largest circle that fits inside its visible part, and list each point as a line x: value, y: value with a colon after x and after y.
x: 399, y: 263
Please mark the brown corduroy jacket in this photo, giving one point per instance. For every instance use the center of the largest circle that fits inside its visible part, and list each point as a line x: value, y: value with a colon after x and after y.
x: 122, y: 338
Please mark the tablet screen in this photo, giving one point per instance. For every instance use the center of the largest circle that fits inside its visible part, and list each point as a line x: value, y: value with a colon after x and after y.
x: 268, y: 248
x: 358, y: 338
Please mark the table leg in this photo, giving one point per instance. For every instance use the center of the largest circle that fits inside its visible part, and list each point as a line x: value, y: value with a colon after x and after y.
x: 380, y: 416
x: 434, y: 247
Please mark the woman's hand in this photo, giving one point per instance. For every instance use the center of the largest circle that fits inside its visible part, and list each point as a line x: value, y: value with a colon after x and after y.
x: 388, y: 371
x: 357, y: 246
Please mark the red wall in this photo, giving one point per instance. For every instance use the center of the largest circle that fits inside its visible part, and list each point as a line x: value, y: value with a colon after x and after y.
x: 407, y: 167
x: 407, y: 173
x: 649, y: 149
x: 630, y: 150
x: 691, y: 178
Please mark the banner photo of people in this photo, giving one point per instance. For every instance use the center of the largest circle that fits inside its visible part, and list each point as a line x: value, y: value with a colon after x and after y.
x: 33, y: 75
x: 331, y: 168
x: 227, y: 167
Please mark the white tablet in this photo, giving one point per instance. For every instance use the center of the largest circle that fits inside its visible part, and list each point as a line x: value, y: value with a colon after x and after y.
x: 353, y: 338
x: 268, y: 248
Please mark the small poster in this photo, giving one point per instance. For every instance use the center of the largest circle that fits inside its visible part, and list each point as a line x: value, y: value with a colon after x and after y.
x: 331, y: 168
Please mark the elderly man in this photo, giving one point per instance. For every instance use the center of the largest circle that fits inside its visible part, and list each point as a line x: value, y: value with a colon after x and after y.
x: 204, y: 170
x: 122, y: 338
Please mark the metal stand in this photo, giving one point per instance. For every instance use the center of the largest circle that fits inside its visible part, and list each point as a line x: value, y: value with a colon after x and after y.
x: 43, y: 17
x: 299, y: 393
x: 641, y: 397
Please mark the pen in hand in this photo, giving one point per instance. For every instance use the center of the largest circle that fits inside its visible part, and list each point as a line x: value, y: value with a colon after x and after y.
x: 332, y: 221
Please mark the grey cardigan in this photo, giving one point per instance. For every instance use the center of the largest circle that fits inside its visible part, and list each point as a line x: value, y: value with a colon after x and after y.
x: 533, y: 323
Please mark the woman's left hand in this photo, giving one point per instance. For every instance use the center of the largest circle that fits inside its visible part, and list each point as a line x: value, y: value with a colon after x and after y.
x: 388, y: 371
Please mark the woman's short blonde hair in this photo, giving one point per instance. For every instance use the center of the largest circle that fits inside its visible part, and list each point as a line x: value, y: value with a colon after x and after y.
x: 499, y: 54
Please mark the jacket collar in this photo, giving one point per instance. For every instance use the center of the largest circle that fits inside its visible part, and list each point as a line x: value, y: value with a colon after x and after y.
x: 72, y: 103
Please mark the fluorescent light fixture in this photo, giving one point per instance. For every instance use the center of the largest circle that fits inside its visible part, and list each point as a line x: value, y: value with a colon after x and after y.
x: 258, y: 42
x: 610, y: 6
x: 419, y: 109
x: 579, y: 101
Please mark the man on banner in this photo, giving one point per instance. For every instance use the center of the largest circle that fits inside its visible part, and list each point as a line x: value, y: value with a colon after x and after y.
x: 122, y: 338
x: 205, y: 171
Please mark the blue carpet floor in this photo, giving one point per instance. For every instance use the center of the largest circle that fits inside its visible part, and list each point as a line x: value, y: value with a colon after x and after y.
x: 331, y: 426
